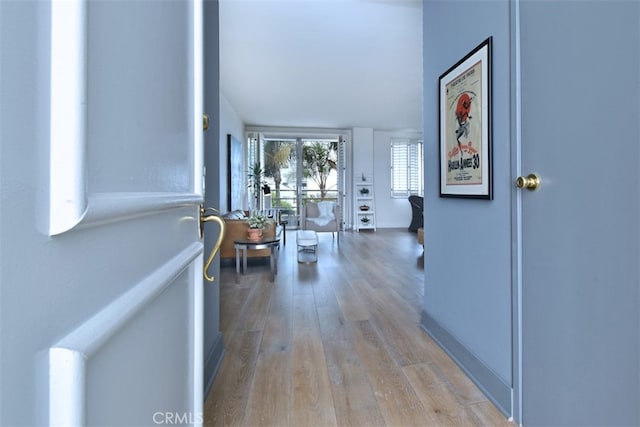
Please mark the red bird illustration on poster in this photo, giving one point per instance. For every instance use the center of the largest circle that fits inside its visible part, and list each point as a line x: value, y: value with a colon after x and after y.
x: 463, y: 110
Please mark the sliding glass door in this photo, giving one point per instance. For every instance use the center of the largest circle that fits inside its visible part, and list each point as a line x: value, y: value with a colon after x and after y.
x: 281, y: 176
x: 319, y: 160
x: 295, y: 170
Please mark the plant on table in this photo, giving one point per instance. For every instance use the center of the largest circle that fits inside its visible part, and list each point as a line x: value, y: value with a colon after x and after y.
x: 257, y: 221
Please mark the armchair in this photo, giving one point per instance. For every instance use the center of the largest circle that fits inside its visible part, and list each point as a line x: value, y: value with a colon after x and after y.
x: 321, y: 216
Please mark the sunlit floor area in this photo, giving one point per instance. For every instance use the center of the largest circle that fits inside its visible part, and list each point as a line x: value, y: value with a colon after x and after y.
x: 337, y: 342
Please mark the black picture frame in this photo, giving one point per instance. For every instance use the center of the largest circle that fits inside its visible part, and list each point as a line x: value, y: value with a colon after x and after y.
x: 235, y: 175
x: 465, y: 127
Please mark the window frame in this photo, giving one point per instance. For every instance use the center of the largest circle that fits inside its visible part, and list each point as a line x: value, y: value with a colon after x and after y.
x: 412, y: 161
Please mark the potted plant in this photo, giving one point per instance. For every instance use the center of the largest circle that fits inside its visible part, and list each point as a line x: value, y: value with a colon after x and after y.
x: 257, y: 223
x: 256, y: 174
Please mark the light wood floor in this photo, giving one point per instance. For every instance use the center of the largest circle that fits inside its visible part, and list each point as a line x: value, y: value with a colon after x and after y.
x: 338, y: 343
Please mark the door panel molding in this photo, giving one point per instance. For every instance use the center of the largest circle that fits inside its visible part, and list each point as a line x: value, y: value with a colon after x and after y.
x: 105, y: 208
x: 68, y: 358
x: 68, y: 115
x: 70, y: 200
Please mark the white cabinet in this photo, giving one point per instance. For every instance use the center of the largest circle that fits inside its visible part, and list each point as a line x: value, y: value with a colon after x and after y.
x: 365, y: 205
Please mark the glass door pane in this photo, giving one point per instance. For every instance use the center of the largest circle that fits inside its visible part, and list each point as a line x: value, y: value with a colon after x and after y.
x: 296, y: 170
x: 280, y: 176
x: 319, y: 159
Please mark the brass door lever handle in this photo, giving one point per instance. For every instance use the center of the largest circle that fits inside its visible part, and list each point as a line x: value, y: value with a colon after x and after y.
x: 209, y: 215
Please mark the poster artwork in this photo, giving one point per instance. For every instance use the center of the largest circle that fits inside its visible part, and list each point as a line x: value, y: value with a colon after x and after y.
x: 464, y: 128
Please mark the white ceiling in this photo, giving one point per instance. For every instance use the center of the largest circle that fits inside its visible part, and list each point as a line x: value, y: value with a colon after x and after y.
x: 323, y: 63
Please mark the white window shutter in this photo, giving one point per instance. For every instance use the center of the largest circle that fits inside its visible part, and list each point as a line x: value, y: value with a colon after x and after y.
x: 406, y: 167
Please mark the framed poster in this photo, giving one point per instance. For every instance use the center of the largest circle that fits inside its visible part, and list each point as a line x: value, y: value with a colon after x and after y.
x: 235, y: 176
x: 465, y: 126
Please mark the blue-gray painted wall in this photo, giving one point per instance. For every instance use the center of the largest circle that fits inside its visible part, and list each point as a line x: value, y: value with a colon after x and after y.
x: 213, y: 344
x: 468, y: 279
x: 467, y: 301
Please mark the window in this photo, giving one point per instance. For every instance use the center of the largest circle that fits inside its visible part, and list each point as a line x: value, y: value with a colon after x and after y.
x: 406, y: 167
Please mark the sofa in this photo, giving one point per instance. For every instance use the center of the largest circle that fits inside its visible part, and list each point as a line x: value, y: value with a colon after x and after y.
x: 236, y: 224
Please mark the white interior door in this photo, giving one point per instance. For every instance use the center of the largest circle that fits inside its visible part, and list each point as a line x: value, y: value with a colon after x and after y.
x: 101, y: 185
x: 580, y: 242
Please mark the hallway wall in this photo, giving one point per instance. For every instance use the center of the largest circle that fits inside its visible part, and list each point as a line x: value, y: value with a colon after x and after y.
x: 395, y: 212
x: 372, y: 156
x: 467, y: 301
x: 213, y: 345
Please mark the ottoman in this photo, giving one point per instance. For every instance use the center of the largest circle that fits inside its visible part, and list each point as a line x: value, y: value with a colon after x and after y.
x: 307, y: 241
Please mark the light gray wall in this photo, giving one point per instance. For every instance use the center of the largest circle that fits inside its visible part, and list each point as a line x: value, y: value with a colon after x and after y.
x: 230, y: 124
x: 467, y: 302
x: 371, y: 156
x: 390, y: 212
x: 362, y: 152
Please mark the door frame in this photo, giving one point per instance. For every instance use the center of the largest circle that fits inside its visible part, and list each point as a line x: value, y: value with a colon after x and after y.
x: 516, y: 215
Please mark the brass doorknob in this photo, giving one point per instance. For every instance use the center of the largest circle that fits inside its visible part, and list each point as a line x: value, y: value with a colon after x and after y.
x: 530, y: 182
x: 207, y: 215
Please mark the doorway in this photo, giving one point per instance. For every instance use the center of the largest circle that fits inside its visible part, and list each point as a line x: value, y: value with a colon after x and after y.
x: 296, y: 170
